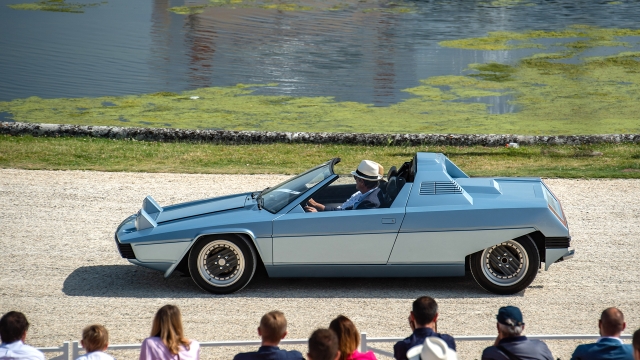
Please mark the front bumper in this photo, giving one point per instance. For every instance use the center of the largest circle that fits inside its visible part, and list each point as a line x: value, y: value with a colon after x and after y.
x: 557, y: 249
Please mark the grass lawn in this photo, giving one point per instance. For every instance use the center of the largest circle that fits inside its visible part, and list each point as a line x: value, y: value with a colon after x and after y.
x: 26, y: 152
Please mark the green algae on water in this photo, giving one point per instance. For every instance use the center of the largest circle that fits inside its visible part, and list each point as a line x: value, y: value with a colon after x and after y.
x: 187, y: 10
x: 55, y: 6
x: 594, y: 95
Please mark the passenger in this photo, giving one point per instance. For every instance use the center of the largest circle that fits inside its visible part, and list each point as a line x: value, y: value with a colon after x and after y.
x: 609, y: 346
x: 95, y: 340
x: 323, y: 345
x: 367, y: 178
x: 272, y: 329
x: 510, y: 343
x: 349, y: 339
x: 13, y: 332
x: 423, y: 321
x: 167, y: 339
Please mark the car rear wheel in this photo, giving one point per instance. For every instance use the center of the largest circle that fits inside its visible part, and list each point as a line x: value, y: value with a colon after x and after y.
x: 222, y: 264
x: 508, y: 267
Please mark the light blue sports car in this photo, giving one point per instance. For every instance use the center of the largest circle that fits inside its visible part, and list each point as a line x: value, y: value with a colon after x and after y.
x: 433, y: 221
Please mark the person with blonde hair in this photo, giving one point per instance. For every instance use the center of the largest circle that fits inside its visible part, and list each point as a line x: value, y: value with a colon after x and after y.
x: 348, y: 340
x: 272, y: 329
x: 167, y: 339
x: 95, y: 340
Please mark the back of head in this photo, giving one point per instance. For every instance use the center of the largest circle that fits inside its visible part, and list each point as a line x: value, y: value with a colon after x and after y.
x: 348, y: 335
x: 323, y: 345
x: 12, y: 326
x: 273, y: 326
x: 510, y: 321
x: 636, y: 341
x: 167, y: 325
x: 611, y: 322
x: 95, y: 338
x: 424, y: 309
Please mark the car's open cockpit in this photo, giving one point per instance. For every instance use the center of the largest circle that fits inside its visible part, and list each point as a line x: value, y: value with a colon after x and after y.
x: 341, y: 189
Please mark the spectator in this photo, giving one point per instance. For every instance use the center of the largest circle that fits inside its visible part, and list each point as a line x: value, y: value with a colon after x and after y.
x: 323, y: 345
x: 433, y: 349
x: 13, y: 332
x: 636, y: 345
x: 167, y: 339
x: 423, y: 321
x: 272, y: 329
x: 510, y: 343
x: 609, y: 346
x: 349, y: 340
x: 95, y: 340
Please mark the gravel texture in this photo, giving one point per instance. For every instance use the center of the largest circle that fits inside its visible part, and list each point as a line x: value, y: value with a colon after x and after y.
x: 59, y: 265
x: 244, y: 137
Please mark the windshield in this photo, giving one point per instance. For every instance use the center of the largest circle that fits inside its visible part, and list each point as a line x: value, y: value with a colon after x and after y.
x: 276, y: 198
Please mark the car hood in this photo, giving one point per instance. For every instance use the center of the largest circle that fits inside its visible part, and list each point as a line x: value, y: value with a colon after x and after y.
x: 201, y: 207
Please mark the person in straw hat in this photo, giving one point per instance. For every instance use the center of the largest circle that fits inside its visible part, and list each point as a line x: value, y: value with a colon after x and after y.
x: 367, y: 177
x: 433, y: 349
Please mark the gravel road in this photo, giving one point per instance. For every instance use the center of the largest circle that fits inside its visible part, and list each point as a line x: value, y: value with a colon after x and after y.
x: 59, y: 265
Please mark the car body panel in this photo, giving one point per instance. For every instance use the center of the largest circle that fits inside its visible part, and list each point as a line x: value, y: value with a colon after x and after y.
x: 339, y: 270
x: 438, y: 218
x: 447, y: 247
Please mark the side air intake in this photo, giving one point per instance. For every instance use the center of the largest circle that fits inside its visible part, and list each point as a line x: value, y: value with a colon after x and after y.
x: 439, y: 188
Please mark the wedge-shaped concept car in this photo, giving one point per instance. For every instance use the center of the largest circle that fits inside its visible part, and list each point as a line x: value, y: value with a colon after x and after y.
x: 434, y: 221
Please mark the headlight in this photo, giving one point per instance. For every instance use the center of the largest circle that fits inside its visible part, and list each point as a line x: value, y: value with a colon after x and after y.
x: 554, y: 205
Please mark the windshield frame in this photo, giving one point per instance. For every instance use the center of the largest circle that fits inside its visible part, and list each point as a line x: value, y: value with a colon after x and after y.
x: 282, y: 186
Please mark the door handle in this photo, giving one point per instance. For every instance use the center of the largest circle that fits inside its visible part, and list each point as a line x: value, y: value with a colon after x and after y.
x: 388, y: 220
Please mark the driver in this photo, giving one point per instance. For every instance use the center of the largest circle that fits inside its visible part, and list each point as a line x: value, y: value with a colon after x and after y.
x: 367, y: 178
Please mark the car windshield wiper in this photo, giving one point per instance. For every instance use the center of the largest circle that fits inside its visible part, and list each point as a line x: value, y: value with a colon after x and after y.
x: 259, y: 199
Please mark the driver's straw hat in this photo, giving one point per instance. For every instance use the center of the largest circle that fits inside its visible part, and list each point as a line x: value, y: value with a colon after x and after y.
x: 367, y: 170
x: 433, y: 348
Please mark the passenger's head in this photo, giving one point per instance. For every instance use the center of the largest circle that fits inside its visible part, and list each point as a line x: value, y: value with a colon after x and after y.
x: 348, y: 335
x: 323, y: 345
x: 95, y: 338
x: 13, y: 327
x: 167, y: 325
x: 510, y: 321
x: 611, y: 322
x: 273, y: 327
x: 636, y: 345
x: 424, y: 310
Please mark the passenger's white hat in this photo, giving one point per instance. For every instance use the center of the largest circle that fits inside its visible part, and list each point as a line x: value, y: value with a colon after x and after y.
x: 367, y: 170
x: 434, y: 348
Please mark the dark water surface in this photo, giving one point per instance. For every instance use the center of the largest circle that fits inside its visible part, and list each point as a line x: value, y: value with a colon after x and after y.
x: 131, y: 47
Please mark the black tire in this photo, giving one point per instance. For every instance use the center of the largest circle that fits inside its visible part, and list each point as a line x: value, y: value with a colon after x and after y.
x: 222, y: 264
x: 494, y: 271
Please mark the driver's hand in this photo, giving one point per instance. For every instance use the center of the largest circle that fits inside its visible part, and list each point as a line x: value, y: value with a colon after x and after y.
x: 310, y: 209
x: 313, y: 203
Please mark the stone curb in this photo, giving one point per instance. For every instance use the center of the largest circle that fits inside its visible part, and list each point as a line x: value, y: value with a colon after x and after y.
x: 261, y: 137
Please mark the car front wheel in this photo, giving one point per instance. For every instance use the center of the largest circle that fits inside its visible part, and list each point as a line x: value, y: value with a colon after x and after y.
x: 508, y: 267
x: 222, y: 264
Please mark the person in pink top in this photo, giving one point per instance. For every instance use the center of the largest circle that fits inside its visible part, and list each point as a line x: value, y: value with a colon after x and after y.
x: 349, y: 340
x: 167, y: 339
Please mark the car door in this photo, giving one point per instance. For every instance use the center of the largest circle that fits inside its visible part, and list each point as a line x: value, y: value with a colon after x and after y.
x: 336, y: 237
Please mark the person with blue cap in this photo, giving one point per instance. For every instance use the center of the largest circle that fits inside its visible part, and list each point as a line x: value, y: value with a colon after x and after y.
x: 510, y: 343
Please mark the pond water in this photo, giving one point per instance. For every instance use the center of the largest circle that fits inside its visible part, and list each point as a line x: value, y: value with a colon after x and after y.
x: 133, y: 47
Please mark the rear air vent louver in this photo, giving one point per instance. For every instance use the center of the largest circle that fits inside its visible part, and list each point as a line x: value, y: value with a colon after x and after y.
x: 126, y: 251
x: 439, y: 188
x: 557, y: 242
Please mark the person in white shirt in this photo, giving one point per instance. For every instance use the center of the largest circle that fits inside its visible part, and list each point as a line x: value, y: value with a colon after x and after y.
x: 367, y: 177
x: 13, y: 332
x: 95, y: 340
